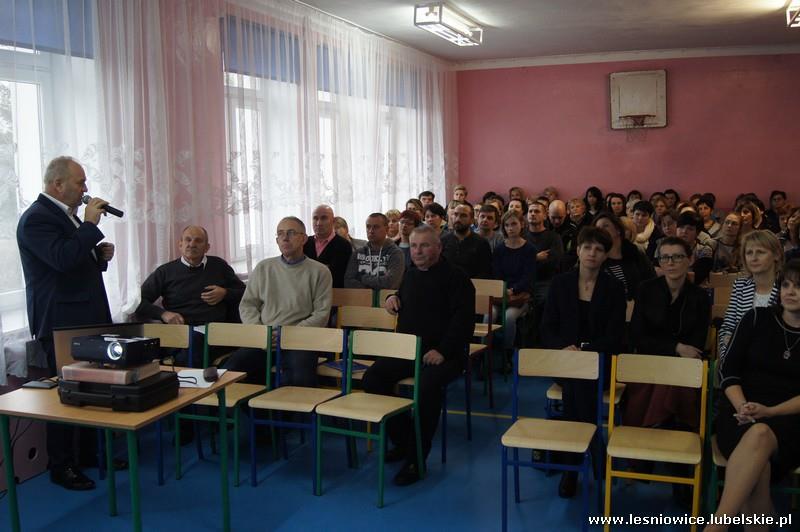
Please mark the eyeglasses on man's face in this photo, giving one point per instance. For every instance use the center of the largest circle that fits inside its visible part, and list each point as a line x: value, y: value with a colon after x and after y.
x: 291, y: 233
x: 677, y: 257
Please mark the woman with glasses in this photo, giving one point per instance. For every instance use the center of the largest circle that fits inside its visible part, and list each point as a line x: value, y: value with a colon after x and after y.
x: 625, y: 262
x: 762, y: 258
x: 758, y: 423
x: 670, y: 318
x: 585, y: 310
x: 727, y: 257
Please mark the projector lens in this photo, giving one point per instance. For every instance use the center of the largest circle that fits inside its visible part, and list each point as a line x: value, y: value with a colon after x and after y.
x: 114, y: 351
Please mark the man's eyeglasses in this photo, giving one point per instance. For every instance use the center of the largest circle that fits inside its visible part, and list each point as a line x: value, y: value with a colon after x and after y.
x: 678, y: 257
x: 291, y: 233
x: 730, y: 222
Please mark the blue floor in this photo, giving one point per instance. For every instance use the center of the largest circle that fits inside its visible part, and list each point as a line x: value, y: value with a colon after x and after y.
x: 463, y: 494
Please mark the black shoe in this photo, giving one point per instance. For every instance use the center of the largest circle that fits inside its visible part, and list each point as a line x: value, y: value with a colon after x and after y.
x: 71, y: 478
x: 568, y: 485
x: 407, y: 475
x: 395, y: 454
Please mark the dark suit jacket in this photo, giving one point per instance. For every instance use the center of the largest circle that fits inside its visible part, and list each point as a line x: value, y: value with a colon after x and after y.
x: 63, y: 280
x: 335, y: 256
x: 559, y: 327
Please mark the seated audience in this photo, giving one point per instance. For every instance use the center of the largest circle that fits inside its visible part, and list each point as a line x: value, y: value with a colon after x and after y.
x: 498, y: 203
x: 629, y: 208
x: 518, y: 206
x: 514, y: 261
x: 633, y: 195
x: 380, y: 263
x: 286, y: 290
x: 577, y: 214
x: 792, y: 242
x: 451, y: 206
x: 342, y: 229
x: 585, y: 310
x: 758, y: 421
x: 488, y: 222
x: 593, y: 199
x: 550, y: 193
x: 393, y: 233
x: 515, y: 193
x: 672, y: 198
x: 669, y: 223
x: 751, y: 217
x: 326, y: 246
x: 615, y: 204
x: 426, y: 198
x: 660, y: 206
x: 701, y: 258
x: 624, y: 261
x: 195, y: 289
x: 557, y: 216
x: 762, y: 260
x: 436, y: 302
x: 778, y: 206
x: 467, y: 250
x: 459, y: 193
x: 647, y: 232
x: 670, y: 318
x: 705, y: 208
x: 408, y: 221
x: 416, y: 205
x: 549, y: 248
x: 435, y: 216
x: 726, y: 252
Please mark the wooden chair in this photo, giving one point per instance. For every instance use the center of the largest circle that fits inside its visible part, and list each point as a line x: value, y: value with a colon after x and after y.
x: 171, y: 336
x: 549, y: 434
x: 237, y: 394
x: 722, y: 295
x: 382, y: 295
x: 488, y: 293
x: 722, y: 279
x: 372, y: 408
x: 359, y: 297
x: 296, y: 399
x: 658, y: 445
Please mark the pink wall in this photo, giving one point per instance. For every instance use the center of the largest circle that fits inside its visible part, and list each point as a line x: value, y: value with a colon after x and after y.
x: 733, y: 125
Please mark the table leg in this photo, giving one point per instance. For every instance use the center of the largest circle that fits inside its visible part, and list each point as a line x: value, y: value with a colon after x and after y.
x: 11, y: 484
x: 133, y: 470
x: 223, y: 437
x: 112, y: 485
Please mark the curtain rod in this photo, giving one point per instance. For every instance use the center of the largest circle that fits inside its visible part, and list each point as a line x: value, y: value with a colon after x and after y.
x: 351, y: 23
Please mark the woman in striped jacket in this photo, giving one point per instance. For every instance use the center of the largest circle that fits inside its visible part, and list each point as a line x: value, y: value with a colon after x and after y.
x: 762, y: 259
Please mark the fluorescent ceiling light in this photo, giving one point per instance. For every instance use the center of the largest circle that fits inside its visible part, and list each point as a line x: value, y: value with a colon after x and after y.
x: 441, y: 20
x: 793, y: 14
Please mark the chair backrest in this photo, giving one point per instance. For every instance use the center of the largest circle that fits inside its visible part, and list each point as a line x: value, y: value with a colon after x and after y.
x: 320, y: 339
x: 655, y: 369
x: 352, y: 296
x: 718, y: 311
x: 559, y: 364
x: 237, y: 335
x: 722, y: 279
x: 171, y: 335
x: 383, y: 294
x: 366, y: 318
x: 722, y: 295
x: 629, y: 310
x: 384, y: 344
x: 483, y: 304
x: 489, y: 287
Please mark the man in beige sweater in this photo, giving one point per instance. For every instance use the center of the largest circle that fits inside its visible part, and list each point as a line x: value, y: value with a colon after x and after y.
x: 286, y: 290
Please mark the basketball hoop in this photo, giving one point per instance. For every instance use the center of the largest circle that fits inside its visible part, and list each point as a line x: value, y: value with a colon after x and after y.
x: 636, y: 121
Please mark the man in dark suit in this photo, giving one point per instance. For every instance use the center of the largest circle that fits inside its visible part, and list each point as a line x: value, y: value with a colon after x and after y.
x: 63, y: 259
x: 326, y: 246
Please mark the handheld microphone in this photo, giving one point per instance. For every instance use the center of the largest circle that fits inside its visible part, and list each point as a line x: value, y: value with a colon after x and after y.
x: 108, y: 208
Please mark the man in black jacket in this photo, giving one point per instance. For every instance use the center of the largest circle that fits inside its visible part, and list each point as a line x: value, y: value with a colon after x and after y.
x: 465, y: 249
x: 326, y: 246
x: 435, y: 301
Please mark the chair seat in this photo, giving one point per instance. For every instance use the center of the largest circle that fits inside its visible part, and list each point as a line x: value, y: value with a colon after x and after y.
x: 364, y: 406
x: 655, y: 444
x: 474, y: 349
x: 549, y: 435
x: 233, y: 394
x: 554, y: 393
x: 327, y: 371
x: 292, y: 399
x: 482, y: 329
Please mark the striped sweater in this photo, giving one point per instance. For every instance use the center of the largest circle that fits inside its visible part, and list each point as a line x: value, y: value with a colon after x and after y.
x: 742, y: 297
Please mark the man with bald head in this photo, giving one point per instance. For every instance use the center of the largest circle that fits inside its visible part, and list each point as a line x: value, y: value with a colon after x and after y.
x: 326, y: 246
x: 195, y: 289
x: 559, y: 223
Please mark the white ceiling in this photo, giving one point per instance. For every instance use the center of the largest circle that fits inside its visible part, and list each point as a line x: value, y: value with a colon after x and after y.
x: 539, y: 28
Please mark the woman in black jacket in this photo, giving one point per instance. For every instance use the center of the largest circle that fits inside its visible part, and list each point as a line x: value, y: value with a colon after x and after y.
x: 670, y: 318
x: 585, y: 310
x: 625, y: 261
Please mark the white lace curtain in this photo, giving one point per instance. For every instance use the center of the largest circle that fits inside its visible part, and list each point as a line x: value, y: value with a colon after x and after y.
x: 212, y: 113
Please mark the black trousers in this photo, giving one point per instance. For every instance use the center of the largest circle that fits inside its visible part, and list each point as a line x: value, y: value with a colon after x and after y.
x: 298, y: 368
x: 382, y: 377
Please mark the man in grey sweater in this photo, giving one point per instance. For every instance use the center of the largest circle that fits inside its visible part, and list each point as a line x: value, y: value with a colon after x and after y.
x: 379, y: 264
